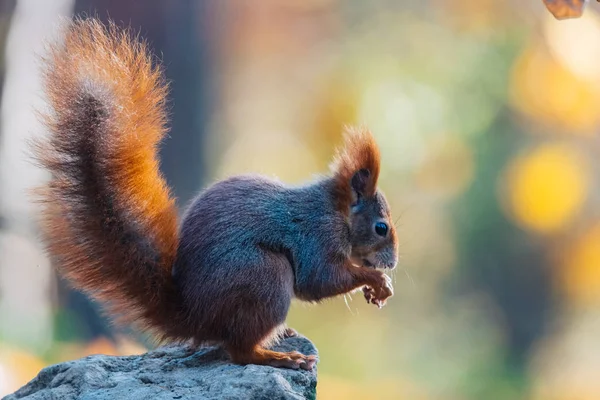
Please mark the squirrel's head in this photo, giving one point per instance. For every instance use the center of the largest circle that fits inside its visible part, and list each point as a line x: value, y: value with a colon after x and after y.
x: 372, y: 231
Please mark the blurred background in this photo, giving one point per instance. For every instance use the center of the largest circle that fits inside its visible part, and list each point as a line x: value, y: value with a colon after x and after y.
x: 487, y: 117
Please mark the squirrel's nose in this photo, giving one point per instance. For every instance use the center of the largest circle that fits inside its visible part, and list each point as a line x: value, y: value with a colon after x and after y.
x: 389, y: 259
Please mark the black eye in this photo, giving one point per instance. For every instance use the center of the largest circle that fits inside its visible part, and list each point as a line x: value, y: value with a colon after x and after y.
x: 381, y: 228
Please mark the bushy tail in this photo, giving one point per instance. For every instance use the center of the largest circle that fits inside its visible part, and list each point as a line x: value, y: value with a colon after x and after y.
x: 108, y: 219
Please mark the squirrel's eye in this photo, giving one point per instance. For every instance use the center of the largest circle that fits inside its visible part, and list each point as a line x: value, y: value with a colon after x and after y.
x: 381, y: 228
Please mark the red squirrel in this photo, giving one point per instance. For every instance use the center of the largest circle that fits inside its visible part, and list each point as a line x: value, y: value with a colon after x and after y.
x: 245, y: 247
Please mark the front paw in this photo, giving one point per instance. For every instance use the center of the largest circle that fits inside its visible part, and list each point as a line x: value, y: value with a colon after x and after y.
x: 379, y: 289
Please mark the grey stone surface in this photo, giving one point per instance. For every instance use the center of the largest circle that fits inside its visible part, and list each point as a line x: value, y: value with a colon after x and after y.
x: 172, y: 372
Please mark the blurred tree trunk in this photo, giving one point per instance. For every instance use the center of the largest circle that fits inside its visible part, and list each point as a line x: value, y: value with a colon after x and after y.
x: 7, y: 8
x: 25, y: 276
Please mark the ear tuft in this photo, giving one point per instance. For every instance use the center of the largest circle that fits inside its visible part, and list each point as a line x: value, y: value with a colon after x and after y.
x: 356, y: 167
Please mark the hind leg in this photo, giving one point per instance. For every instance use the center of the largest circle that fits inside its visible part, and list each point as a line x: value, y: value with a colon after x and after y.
x: 258, y: 309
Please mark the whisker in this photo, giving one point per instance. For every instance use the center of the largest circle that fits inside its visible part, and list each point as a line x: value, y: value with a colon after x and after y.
x: 409, y: 277
x: 348, y: 305
x: 401, y: 214
x: 397, y: 220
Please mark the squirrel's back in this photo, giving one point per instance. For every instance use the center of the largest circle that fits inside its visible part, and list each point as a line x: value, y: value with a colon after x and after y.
x: 254, y: 209
x: 108, y: 219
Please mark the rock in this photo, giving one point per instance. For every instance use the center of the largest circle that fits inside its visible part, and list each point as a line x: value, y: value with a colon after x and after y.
x: 172, y: 372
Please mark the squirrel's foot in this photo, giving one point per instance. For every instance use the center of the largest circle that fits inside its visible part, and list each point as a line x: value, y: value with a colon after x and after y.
x: 380, y: 290
x: 305, y: 362
x: 261, y: 356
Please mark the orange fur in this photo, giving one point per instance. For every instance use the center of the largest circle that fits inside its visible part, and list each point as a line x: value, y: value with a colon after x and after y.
x: 124, y: 68
x: 360, y: 151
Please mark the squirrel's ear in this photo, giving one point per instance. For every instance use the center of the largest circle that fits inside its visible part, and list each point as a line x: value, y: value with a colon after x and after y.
x: 356, y: 167
x: 360, y: 183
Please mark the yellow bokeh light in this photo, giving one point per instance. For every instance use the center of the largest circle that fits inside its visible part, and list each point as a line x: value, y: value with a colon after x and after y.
x: 566, y: 42
x: 547, y: 91
x: 547, y: 187
x: 579, y: 275
x: 17, y: 367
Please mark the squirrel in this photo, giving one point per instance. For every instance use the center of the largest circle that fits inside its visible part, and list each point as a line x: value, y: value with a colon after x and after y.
x: 245, y: 247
